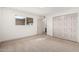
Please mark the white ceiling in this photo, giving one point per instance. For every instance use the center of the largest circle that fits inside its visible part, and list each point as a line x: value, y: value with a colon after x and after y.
x: 42, y: 10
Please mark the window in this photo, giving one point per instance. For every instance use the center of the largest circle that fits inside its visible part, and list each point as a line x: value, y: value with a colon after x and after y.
x: 23, y: 20
x: 29, y: 21
x: 20, y: 20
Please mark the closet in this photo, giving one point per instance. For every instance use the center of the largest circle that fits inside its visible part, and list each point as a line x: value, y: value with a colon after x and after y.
x: 65, y: 26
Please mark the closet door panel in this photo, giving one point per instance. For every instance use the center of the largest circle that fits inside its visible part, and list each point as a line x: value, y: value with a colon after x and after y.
x: 70, y: 27
x: 58, y: 27
x: 61, y: 26
x: 55, y: 27
x: 74, y: 26
x: 67, y: 32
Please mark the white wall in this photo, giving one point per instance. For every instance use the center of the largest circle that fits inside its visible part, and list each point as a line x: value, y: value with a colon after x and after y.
x: 0, y: 23
x: 49, y: 25
x: 12, y: 31
x: 78, y: 27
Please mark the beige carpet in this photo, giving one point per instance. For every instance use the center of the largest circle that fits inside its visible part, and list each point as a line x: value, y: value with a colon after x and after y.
x: 39, y: 43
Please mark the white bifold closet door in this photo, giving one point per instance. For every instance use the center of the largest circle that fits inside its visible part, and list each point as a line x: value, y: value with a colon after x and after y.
x: 58, y: 27
x: 65, y: 26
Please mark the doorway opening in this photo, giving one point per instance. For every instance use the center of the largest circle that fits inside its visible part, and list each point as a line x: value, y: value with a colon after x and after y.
x: 42, y: 25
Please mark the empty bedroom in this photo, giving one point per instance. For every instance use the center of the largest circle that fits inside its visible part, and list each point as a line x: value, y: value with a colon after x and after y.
x: 39, y: 29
